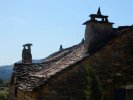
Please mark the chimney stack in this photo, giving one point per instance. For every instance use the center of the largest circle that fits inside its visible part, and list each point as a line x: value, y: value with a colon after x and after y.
x: 26, y: 54
x: 61, y: 48
x: 97, y: 33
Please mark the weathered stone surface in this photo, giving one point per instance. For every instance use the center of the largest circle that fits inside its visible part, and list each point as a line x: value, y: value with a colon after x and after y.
x: 63, y: 75
x: 113, y: 63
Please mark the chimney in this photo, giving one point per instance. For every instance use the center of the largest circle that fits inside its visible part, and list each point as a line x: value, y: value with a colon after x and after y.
x: 97, y: 32
x: 26, y: 54
x: 61, y: 48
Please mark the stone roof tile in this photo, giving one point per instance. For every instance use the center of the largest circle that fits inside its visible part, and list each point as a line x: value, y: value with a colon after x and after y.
x: 30, y: 76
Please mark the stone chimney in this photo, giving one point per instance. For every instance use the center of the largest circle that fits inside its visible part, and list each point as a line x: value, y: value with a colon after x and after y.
x: 98, y: 30
x: 61, y: 48
x: 26, y: 54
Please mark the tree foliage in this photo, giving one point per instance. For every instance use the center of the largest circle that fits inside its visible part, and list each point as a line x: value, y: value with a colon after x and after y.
x: 93, y: 89
x: 4, y: 95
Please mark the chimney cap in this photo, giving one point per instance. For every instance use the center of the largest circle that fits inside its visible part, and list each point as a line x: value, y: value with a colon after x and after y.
x: 28, y: 44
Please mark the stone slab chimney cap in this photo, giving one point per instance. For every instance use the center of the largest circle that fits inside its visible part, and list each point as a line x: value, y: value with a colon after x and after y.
x: 28, y: 44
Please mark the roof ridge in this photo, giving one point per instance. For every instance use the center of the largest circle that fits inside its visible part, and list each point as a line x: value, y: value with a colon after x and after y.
x: 60, y: 51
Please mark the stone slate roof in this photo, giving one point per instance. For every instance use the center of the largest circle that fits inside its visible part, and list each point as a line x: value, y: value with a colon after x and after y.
x: 30, y: 76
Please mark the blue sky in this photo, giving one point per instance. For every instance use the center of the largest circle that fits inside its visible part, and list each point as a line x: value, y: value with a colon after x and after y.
x: 49, y: 23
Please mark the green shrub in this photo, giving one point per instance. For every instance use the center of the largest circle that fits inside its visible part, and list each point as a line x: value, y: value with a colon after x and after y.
x: 4, y: 95
x: 93, y: 89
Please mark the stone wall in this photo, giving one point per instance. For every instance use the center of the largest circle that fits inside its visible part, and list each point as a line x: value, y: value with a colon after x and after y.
x: 113, y: 63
